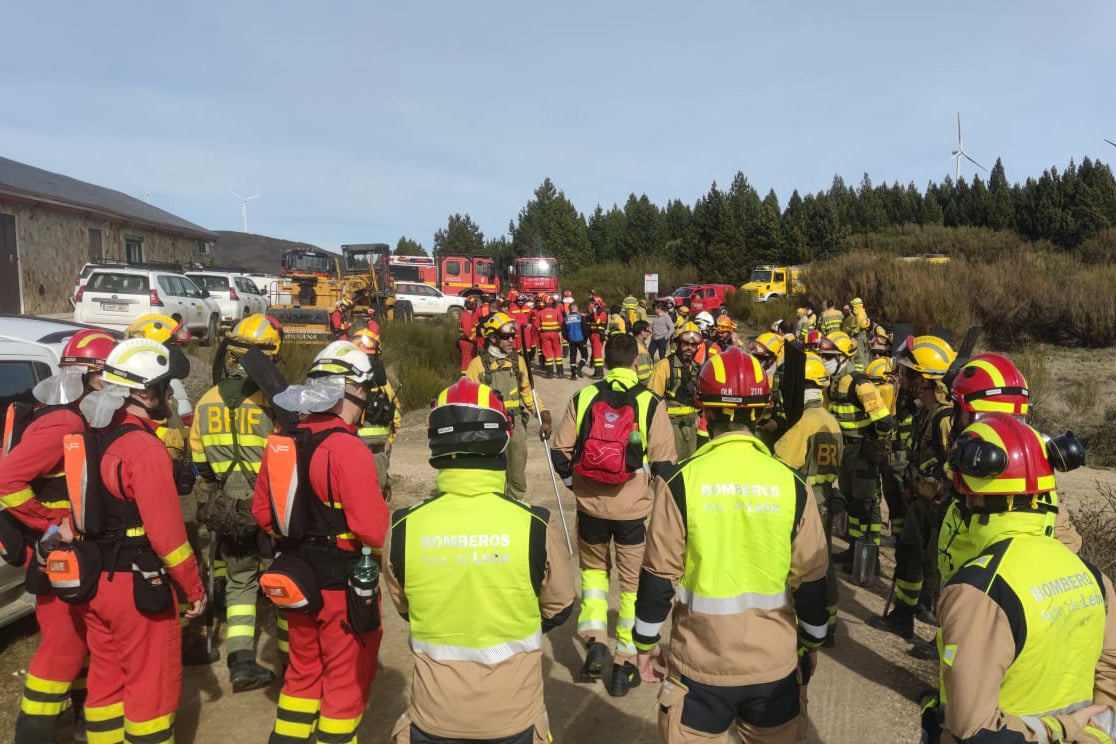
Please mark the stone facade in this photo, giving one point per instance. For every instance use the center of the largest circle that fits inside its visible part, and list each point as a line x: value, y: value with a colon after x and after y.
x: 55, y: 242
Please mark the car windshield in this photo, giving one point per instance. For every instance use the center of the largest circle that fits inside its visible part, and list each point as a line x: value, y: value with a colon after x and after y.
x: 682, y: 292
x: 761, y: 276
x: 212, y: 283
x: 538, y: 269
x: 118, y: 283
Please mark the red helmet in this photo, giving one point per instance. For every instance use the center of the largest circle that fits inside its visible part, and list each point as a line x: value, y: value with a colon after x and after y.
x: 732, y: 379
x: 813, y: 339
x: 468, y: 418
x: 826, y: 347
x: 89, y: 348
x: 990, y: 383
x: 1001, y: 456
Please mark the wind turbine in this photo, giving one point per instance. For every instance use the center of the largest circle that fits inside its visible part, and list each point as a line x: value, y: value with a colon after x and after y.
x: 244, y: 206
x: 959, y: 153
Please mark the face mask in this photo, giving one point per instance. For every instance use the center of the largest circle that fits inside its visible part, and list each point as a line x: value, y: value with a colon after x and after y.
x: 830, y: 365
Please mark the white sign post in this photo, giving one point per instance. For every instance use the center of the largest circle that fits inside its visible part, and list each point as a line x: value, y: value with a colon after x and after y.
x: 651, y: 284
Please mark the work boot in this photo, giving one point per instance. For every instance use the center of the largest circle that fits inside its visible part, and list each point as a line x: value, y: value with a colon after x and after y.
x: 845, y: 557
x: 925, y: 614
x: 596, y: 656
x: 624, y: 678
x: 598, y: 373
x: 195, y: 653
x: 245, y: 674
x: 927, y: 650
x: 899, y: 621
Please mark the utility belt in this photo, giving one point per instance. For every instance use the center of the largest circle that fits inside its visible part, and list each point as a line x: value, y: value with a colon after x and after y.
x: 73, y: 571
x: 295, y: 579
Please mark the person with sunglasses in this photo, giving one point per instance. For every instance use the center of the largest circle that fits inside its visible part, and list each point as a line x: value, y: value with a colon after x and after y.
x: 502, y: 368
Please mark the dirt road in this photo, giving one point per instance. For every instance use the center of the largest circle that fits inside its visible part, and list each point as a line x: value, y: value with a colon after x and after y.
x: 866, y: 686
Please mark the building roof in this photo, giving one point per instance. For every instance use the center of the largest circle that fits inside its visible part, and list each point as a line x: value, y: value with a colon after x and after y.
x: 28, y: 183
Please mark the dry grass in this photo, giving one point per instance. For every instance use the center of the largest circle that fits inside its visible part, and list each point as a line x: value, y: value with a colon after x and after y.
x: 1094, y: 519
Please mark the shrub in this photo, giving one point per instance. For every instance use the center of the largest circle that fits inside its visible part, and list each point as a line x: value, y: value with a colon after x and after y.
x: 614, y: 280
x: 1094, y: 519
x: 423, y: 357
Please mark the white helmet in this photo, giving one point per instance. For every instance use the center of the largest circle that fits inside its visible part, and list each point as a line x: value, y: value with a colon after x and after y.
x: 704, y: 321
x: 138, y: 363
x: 343, y: 359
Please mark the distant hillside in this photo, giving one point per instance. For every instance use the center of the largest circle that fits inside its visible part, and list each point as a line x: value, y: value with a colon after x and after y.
x: 252, y: 252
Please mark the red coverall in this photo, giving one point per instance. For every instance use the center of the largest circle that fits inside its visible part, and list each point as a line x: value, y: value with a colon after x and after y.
x: 339, y: 325
x: 466, y: 344
x: 33, y: 491
x: 598, y: 327
x: 522, y: 317
x: 135, y: 669
x: 331, y: 669
x: 373, y: 326
x: 550, y: 334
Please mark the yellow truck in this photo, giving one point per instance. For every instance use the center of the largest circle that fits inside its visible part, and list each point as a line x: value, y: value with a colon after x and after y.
x: 769, y: 282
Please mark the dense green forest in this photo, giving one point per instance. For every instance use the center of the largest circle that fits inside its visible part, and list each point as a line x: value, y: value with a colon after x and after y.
x: 726, y: 231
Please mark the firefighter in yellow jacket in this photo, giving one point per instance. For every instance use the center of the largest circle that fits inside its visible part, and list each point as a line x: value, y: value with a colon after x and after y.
x: 866, y: 425
x: 479, y: 577
x: 736, y: 544
x: 227, y: 438
x: 814, y: 446
x: 1028, y: 629
x: 924, y: 362
x: 614, y: 438
x: 501, y: 367
x: 382, y: 415
x: 674, y: 379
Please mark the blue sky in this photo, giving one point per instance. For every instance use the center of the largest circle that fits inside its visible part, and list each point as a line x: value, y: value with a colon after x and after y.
x: 361, y: 122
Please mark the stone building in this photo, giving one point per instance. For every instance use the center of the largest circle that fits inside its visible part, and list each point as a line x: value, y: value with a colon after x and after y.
x: 51, y: 225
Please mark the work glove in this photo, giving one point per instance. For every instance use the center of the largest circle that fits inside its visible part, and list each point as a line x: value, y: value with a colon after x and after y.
x: 545, y: 425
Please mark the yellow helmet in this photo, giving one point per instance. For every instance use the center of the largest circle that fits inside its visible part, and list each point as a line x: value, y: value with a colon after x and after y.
x: 683, y: 311
x: 929, y: 356
x: 689, y: 332
x: 367, y: 341
x: 771, y: 342
x: 159, y: 328
x: 815, y: 370
x: 496, y: 323
x: 880, y: 369
x: 857, y: 302
x: 256, y: 330
x: 844, y: 344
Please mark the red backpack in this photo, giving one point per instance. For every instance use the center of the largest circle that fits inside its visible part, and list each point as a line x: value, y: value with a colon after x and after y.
x: 609, y: 446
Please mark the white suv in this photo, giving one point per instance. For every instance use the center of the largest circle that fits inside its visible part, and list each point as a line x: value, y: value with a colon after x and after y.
x: 427, y: 300
x: 236, y: 294
x: 115, y: 297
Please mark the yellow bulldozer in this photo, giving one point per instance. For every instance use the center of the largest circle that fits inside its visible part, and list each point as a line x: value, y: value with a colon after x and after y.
x: 313, y: 281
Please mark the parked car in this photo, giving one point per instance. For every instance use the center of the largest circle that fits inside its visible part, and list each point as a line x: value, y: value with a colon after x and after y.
x: 266, y: 283
x: 114, y: 297
x: 700, y: 297
x: 237, y: 295
x: 427, y: 300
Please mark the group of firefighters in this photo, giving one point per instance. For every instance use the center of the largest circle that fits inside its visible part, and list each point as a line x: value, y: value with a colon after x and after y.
x: 713, y: 473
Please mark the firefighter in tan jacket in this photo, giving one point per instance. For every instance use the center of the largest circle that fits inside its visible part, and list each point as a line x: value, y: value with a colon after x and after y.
x: 480, y: 577
x: 814, y: 447
x: 614, y: 437
x: 1028, y: 629
x: 734, y: 529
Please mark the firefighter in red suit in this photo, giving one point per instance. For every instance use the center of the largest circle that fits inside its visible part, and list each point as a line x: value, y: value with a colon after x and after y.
x: 327, y: 684
x: 466, y: 342
x: 339, y: 323
x: 550, y: 336
x: 598, y: 329
x: 135, y: 668
x: 33, y: 492
x: 370, y: 321
x: 521, y: 314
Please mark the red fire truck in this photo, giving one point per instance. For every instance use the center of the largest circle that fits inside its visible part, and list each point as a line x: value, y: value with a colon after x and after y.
x: 535, y: 275
x: 454, y: 275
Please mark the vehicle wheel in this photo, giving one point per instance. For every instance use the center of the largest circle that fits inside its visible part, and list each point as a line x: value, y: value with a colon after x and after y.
x: 210, y: 336
x: 404, y: 311
x: 455, y: 313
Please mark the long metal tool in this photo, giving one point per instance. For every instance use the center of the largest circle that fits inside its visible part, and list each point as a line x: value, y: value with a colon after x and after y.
x: 213, y: 622
x: 546, y: 445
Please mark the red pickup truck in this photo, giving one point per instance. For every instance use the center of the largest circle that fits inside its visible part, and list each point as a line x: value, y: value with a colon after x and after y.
x: 700, y: 297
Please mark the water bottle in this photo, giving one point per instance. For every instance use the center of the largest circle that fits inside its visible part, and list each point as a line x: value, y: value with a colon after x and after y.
x: 364, y: 588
